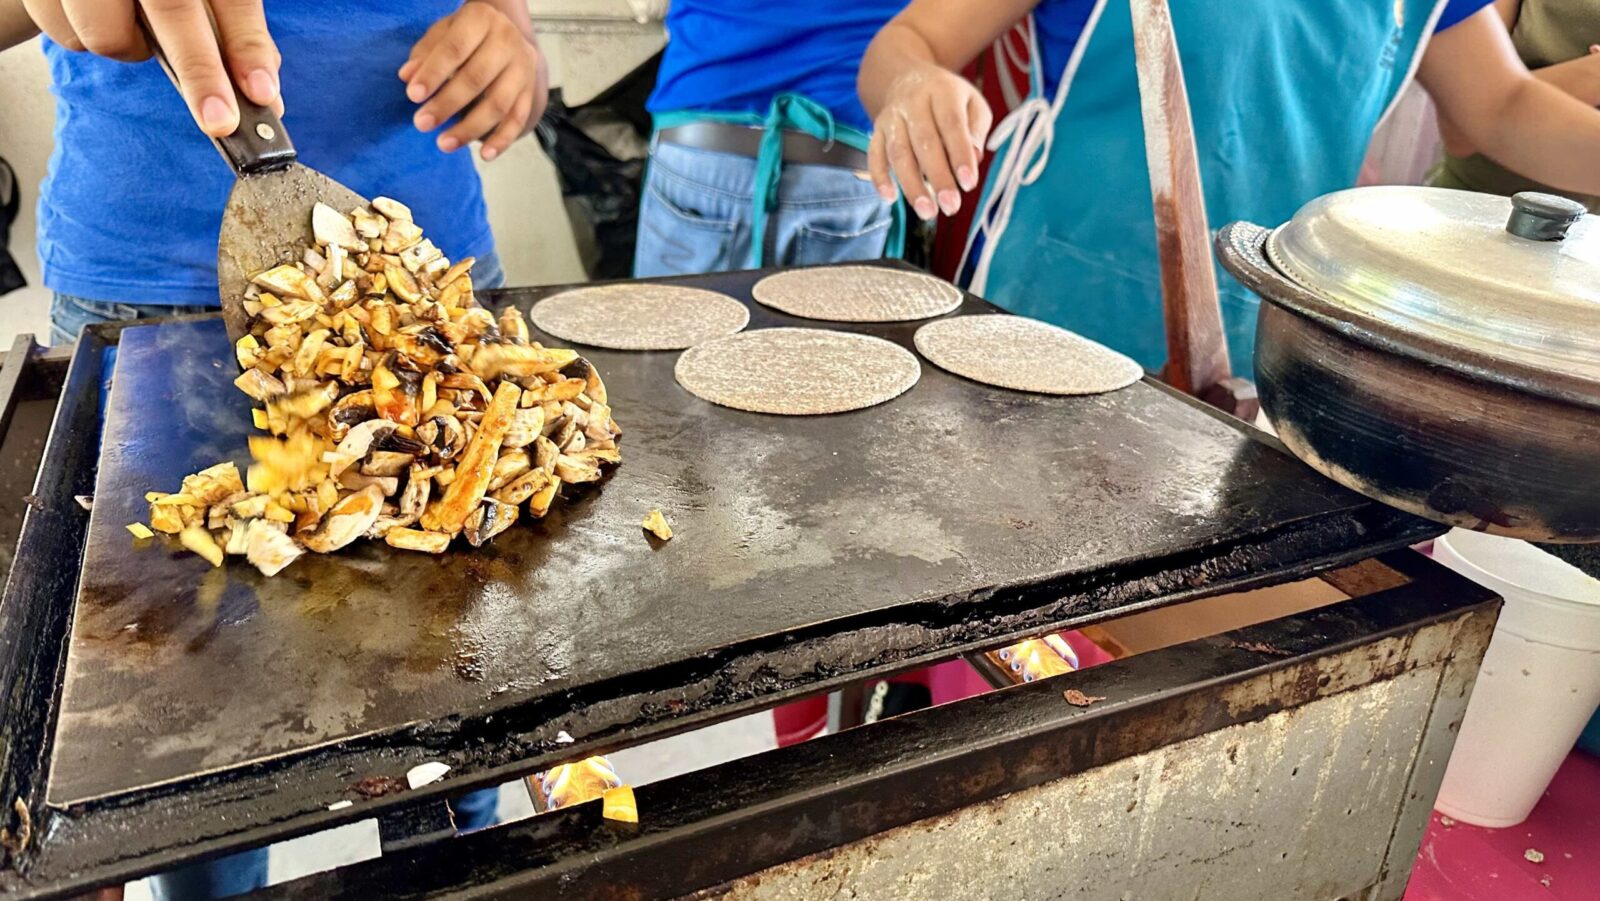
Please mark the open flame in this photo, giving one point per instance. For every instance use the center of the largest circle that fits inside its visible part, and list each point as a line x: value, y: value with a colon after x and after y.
x: 575, y: 783
x: 1036, y: 658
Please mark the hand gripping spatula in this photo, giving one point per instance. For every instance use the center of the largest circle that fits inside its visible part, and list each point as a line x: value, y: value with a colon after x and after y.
x: 268, y: 217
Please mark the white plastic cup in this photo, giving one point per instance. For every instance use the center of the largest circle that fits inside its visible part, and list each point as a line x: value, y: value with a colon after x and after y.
x: 1539, y: 684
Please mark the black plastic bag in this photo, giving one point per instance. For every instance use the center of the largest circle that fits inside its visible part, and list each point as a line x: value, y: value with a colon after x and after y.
x: 602, y: 190
x: 10, y: 202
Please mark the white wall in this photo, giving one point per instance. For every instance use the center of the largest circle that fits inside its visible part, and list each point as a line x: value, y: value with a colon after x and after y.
x: 590, y: 43
x: 26, y: 116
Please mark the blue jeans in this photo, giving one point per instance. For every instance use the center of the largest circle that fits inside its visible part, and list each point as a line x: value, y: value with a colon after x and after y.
x: 247, y: 870
x: 69, y: 314
x: 696, y: 210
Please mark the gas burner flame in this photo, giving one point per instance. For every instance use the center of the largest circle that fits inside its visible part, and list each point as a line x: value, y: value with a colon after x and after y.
x: 575, y: 783
x: 1037, y: 658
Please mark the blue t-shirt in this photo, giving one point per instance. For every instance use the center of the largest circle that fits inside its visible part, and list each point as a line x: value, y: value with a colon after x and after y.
x: 133, y: 201
x: 1059, y: 23
x: 734, y: 56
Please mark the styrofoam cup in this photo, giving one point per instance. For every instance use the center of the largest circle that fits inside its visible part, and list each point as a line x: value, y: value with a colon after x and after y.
x: 1539, y: 684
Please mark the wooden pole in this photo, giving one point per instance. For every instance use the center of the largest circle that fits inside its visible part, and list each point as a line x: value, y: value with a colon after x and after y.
x: 1197, y: 347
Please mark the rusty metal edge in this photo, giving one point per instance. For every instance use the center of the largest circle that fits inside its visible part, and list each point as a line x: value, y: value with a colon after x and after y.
x: 701, y: 830
x: 34, y: 623
x: 12, y: 366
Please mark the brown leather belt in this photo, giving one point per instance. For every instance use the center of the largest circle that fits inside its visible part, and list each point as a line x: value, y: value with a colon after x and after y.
x: 798, y: 147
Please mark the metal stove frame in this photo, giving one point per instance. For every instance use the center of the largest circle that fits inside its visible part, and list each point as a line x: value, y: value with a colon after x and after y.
x: 760, y: 814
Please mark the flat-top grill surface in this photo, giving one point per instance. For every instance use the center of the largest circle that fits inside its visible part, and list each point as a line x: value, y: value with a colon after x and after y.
x: 938, y: 508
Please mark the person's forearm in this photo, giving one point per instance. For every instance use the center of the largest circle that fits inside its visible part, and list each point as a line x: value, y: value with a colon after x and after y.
x: 517, y: 12
x: 1579, y: 78
x: 897, y: 49
x: 1529, y: 126
x: 943, y: 34
x: 15, y: 24
x: 1546, y: 135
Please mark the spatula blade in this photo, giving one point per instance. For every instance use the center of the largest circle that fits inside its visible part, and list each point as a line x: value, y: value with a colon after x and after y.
x: 268, y: 222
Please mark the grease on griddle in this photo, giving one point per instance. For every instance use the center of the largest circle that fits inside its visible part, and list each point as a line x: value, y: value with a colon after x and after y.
x: 378, y: 786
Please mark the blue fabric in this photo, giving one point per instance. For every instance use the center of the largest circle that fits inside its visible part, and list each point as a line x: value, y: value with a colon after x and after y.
x: 1283, y: 107
x: 70, y: 313
x: 696, y: 214
x: 247, y: 871
x: 787, y: 113
x: 1059, y: 23
x: 1457, y: 10
x: 233, y: 875
x: 133, y: 201
x: 1589, y: 741
x: 477, y: 810
x: 737, y: 55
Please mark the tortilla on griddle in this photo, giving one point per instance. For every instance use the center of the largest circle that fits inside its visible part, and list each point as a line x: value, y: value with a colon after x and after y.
x: 797, y: 371
x: 640, y: 317
x: 1024, y: 355
x: 857, y: 294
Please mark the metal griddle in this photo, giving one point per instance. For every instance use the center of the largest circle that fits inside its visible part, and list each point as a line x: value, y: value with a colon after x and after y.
x: 810, y: 552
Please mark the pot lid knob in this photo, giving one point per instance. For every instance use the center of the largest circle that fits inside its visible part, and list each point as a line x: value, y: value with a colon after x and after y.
x: 1542, y: 217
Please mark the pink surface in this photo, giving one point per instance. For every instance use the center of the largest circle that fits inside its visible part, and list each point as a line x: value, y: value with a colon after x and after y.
x: 1468, y: 863
x: 952, y: 680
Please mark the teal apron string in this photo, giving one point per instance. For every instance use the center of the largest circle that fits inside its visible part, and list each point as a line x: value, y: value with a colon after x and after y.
x: 788, y: 112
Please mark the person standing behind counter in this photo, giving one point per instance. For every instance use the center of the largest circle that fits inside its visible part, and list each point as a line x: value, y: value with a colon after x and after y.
x: 1284, y: 97
x: 1557, y: 40
x: 377, y: 96
x: 759, y: 152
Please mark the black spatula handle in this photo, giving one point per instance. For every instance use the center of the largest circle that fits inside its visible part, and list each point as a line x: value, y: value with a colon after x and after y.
x: 259, y: 144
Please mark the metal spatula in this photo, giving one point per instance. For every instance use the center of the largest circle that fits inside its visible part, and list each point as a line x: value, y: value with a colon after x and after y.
x: 268, y: 217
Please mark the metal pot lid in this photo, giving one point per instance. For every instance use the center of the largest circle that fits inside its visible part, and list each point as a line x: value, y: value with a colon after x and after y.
x: 1490, y: 283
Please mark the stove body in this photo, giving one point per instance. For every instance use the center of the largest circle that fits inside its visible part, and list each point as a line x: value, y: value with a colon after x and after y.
x: 1294, y: 758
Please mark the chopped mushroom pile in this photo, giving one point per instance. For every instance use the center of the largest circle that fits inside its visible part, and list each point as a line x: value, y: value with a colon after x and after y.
x: 394, y: 407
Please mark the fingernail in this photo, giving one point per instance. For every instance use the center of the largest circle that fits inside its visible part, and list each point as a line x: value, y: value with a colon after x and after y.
x: 887, y: 193
x: 925, y: 208
x: 424, y: 121
x: 215, y: 113
x: 949, y: 202
x: 263, y: 87
x: 448, y: 144
x: 490, y: 153
x: 417, y: 91
x: 967, y: 178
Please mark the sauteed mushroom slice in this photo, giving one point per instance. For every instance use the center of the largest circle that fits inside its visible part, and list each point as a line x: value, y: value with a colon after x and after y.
x: 577, y: 469
x: 490, y: 519
x: 526, y: 425
x: 417, y: 540
x: 348, y: 520
x: 522, y: 487
x: 539, y: 503
x: 511, y: 465
x: 656, y: 524
x: 476, y: 466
